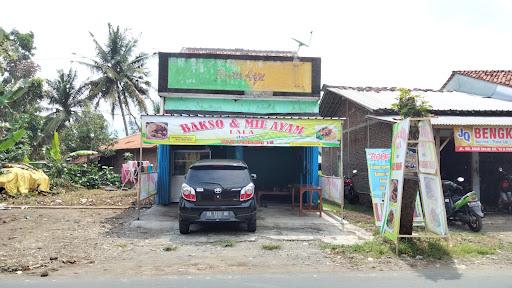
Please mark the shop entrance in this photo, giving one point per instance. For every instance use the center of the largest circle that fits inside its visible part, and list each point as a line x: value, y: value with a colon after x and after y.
x: 181, y: 161
x: 489, y: 176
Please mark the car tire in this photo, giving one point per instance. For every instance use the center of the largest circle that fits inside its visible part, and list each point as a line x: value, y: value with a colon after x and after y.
x: 184, y: 227
x: 251, y: 225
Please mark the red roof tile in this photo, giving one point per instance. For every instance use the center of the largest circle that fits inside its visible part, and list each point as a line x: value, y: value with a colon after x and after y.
x: 500, y: 77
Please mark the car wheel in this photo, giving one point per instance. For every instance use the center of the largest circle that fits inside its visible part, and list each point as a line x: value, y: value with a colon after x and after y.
x: 184, y: 227
x: 251, y: 225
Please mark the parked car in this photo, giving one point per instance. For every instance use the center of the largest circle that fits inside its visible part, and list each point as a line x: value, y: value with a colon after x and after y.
x: 217, y: 190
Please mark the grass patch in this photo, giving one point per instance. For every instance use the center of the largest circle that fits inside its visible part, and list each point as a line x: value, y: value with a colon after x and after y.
x: 359, y: 215
x: 271, y: 246
x: 170, y: 248
x: 121, y: 245
x: 226, y: 243
x: 468, y: 249
x: 433, y: 249
x: 373, y: 248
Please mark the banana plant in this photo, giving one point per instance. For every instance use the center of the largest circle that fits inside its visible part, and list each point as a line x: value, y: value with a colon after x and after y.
x: 12, y: 140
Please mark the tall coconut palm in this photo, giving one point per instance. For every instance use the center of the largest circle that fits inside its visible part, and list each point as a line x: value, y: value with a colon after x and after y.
x: 66, y: 96
x: 122, y: 76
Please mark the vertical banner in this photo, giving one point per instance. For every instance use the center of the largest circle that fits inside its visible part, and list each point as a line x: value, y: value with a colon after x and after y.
x: 379, y: 166
x: 430, y: 181
x: 393, y: 202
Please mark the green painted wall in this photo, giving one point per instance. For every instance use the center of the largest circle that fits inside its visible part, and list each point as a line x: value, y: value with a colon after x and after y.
x: 241, y: 105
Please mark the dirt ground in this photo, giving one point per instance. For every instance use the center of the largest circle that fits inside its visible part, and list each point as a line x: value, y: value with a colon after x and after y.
x: 101, y: 242
x: 75, y: 197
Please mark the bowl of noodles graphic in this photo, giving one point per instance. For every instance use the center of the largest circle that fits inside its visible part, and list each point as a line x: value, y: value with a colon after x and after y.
x: 326, y: 133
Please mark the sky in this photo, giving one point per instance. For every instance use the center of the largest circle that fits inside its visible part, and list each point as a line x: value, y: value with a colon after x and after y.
x: 404, y: 43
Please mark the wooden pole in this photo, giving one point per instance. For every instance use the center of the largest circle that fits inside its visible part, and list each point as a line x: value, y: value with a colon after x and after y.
x: 139, y: 168
x: 342, y: 180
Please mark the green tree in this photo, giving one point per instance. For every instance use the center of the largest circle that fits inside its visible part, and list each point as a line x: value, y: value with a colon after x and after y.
x: 67, y: 96
x: 20, y: 93
x: 122, y: 75
x: 88, y: 131
x: 411, y: 106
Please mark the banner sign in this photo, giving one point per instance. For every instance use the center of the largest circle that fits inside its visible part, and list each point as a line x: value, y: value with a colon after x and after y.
x: 331, y: 187
x: 242, y: 75
x: 147, y: 185
x: 379, y: 166
x: 393, y: 202
x: 483, y: 138
x: 430, y: 181
x: 239, y: 74
x: 240, y: 131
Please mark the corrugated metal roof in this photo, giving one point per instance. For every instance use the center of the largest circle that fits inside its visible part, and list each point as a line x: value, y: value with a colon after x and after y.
x: 375, y: 99
x: 456, y: 120
x: 251, y: 116
x: 237, y: 51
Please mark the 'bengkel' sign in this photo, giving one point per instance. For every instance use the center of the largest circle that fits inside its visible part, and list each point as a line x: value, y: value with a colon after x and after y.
x: 483, y: 139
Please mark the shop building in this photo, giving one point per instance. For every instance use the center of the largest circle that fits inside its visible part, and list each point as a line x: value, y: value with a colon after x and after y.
x: 257, y: 106
x: 473, y: 133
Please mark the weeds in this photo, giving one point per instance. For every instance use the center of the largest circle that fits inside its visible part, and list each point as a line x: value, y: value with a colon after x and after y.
x: 170, y: 248
x: 433, y: 249
x: 271, y: 246
x: 226, y: 243
x: 121, y: 245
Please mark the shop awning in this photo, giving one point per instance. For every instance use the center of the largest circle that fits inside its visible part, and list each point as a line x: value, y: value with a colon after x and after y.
x: 242, y: 130
x: 449, y: 121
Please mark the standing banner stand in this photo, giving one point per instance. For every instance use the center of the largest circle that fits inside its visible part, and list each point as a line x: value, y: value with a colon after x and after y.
x: 414, y: 134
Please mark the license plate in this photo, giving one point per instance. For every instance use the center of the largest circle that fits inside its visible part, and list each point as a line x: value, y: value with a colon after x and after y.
x: 473, y: 204
x: 217, y: 215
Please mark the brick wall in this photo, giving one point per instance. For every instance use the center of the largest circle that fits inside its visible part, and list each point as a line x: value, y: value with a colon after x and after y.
x: 359, y: 133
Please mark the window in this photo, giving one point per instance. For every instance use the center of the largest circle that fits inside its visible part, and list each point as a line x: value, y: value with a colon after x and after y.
x: 183, y: 159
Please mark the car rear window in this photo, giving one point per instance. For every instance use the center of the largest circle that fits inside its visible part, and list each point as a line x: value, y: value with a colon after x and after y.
x: 226, y: 176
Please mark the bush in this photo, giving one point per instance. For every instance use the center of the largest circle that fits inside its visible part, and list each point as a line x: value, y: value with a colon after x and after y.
x: 88, y: 176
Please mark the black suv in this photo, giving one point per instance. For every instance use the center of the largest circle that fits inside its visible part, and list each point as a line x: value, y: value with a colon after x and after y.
x: 217, y: 190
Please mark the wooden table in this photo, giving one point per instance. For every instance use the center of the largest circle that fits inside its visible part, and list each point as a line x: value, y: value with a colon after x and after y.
x: 307, y: 188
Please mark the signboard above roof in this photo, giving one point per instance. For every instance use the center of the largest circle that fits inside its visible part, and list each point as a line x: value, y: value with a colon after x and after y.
x: 252, y: 75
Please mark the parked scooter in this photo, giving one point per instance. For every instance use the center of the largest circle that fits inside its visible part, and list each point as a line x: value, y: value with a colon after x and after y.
x: 461, y: 207
x: 505, y: 201
x: 350, y: 192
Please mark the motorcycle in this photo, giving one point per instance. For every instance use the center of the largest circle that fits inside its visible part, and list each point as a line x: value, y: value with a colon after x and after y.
x: 350, y: 192
x: 505, y: 200
x: 460, y: 207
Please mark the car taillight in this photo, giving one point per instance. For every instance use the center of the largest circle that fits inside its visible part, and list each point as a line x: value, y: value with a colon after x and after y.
x: 247, y: 192
x: 188, y: 193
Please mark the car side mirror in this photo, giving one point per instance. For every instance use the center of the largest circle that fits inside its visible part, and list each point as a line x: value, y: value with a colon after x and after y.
x: 253, y: 176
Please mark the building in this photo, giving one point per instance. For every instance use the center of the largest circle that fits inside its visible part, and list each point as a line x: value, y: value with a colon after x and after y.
x: 473, y: 133
x: 491, y: 83
x: 129, y: 144
x: 256, y: 106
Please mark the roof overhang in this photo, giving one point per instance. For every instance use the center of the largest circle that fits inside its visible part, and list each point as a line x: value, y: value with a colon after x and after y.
x: 452, y: 121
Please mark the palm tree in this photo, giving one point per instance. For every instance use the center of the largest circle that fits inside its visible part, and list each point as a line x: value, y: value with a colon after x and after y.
x: 121, y: 75
x: 65, y: 95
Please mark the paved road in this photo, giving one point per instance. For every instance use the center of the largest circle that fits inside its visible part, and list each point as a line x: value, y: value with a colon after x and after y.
x: 426, y: 278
